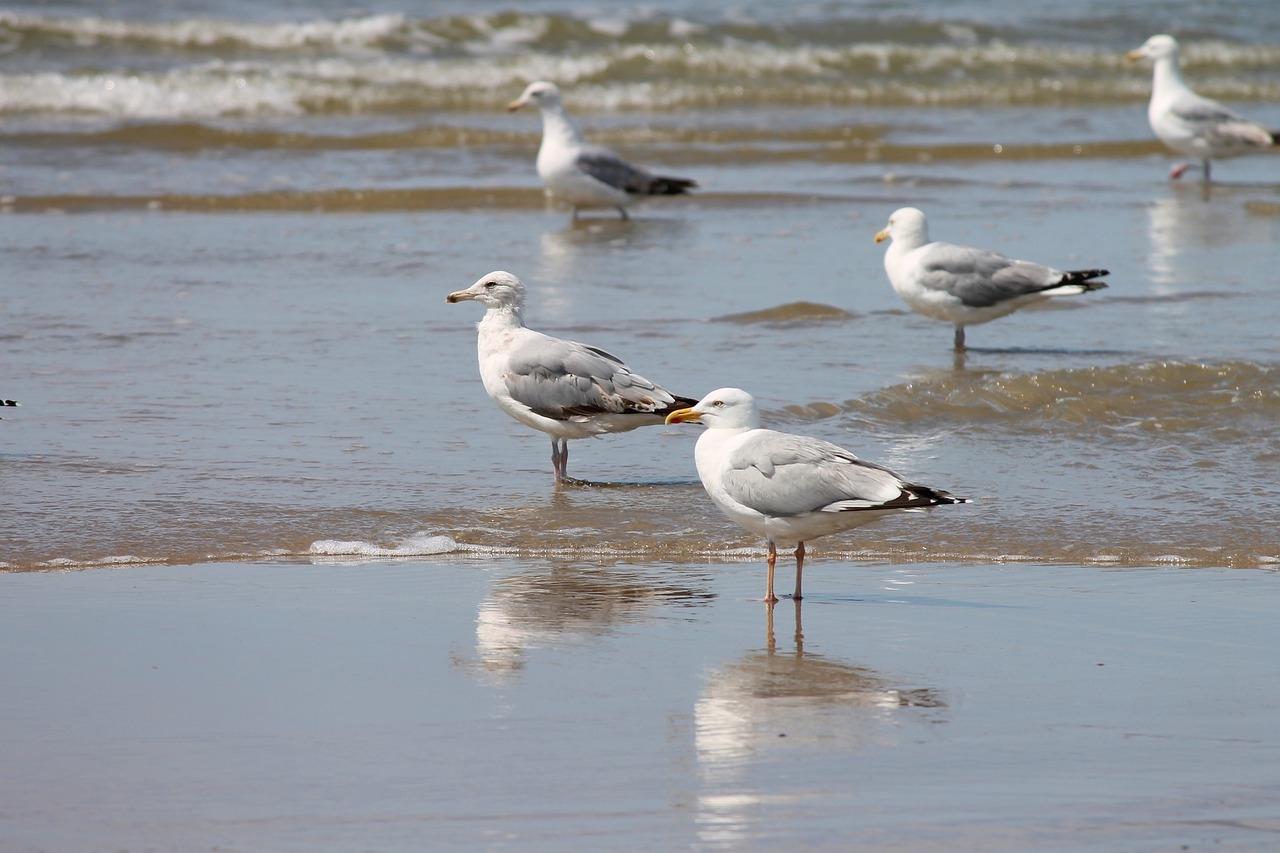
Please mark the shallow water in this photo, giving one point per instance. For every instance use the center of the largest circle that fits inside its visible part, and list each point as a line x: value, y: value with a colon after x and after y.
x: 278, y: 575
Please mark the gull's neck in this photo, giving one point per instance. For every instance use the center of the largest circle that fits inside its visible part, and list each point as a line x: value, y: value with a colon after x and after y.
x: 502, y: 318
x: 1167, y: 77
x: 557, y: 129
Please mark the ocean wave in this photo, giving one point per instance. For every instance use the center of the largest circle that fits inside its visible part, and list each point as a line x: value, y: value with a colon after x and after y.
x: 18, y: 31
x: 1151, y: 396
x: 392, y: 63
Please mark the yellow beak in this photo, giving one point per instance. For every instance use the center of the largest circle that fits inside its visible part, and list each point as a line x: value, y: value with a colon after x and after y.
x: 680, y: 416
x: 1133, y: 55
x: 515, y: 105
x: 882, y: 235
x: 458, y: 296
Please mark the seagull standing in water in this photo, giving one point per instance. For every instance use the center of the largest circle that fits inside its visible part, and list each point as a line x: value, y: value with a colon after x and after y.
x: 962, y: 285
x: 791, y: 488
x: 565, y: 389
x: 584, y: 175
x: 1188, y: 123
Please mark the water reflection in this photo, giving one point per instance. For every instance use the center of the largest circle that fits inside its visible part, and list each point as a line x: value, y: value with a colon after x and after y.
x: 771, y: 703
x: 566, y: 251
x: 1196, y: 218
x: 564, y: 604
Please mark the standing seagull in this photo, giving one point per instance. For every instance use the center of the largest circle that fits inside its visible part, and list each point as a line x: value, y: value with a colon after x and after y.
x: 584, y: 175
x: 565, y: 389
x: 790, y: 488
x: 963, y: 285
x: 1189, y: 123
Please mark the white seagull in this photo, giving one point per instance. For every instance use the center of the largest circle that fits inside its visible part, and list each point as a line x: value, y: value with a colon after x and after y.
x: 962, y: 285
x: 584, y: 175
x: 791, y: 488
x: 1191, y: 124
x: 565, y: 389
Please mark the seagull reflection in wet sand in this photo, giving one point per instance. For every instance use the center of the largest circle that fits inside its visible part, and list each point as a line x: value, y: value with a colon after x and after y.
x: 566, y: 604
x: 791, y: 488
x: 767, y: 704
x: 563, y: 388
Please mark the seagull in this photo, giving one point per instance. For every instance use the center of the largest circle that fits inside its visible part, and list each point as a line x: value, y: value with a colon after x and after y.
x: 791, y: 488
x: 963, y: 285
x: 584, y: 175
x: 4, y: 402
x: 1191, y: 124
x: 565, y: 389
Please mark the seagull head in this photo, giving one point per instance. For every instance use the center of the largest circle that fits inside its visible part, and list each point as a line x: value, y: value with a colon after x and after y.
x: 498, y: 289
x: 1156, y: 48
x: 725, y: 408
x: 906, y: 225
x: 540, y: 93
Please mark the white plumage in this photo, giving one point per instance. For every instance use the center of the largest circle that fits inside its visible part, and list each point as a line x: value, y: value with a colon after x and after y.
x: 584, y: 175
x: 562, y: 388
x: 1189, y: 123
x: 963, y: 285
x: 790, y: 488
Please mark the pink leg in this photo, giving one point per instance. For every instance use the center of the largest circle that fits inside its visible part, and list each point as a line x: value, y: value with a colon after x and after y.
x: 773, y: 558
x: 799, y: 569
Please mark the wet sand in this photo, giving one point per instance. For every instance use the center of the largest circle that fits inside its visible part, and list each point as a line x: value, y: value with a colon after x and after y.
x: 460, y: 704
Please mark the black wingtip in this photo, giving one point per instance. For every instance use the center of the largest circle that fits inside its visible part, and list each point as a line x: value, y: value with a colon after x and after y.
x: 1084, y: 278
x: 671, y: 186
x: 925, y: 496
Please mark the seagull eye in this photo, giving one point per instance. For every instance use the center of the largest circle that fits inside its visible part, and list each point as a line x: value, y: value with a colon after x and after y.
x: 490, y: 285
x: 719, y: 404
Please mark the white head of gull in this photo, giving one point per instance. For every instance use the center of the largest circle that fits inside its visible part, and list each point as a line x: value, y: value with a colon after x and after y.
x: 565, y: 389
x: 584, y: 175
x: 962, y: 285
x: 791, y: 488
x: 1189, y: 123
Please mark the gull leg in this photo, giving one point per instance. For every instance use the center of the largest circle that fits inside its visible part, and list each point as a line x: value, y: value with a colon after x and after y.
x: 1178, y: 170
x: 560, y: 458
x: 769, y: 597
x: 959, y: 337
x: 1206, y: 171
x: 799, y: 569
x: 768, y: 627
x: 623, y: 211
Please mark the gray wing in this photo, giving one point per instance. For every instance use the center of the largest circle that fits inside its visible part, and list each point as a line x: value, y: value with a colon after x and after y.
x: 1217, y: 124
x: 980, y: 278
x: 782, y: 474
x: 607, y: 167
x: 561, y: 379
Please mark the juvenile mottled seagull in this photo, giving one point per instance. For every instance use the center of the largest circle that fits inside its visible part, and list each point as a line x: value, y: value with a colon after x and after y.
x: 1191, y: 124
x: 791, y: 488
x: 962, y: 285
x: 584, y: 175
x: 565, y: 389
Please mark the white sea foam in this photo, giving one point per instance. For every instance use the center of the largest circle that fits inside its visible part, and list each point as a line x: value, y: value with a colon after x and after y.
x: 417, y: 545
x: 206, y: 33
